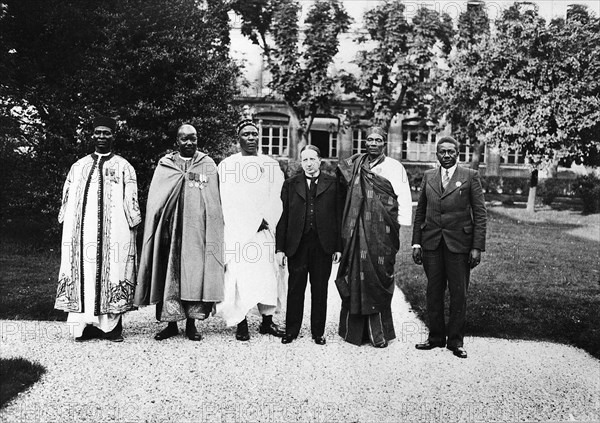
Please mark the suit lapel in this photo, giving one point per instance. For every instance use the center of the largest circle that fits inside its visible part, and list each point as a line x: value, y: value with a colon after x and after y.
x: 459, y: 175
x: 300, y: 185
x: 436, y: 182
x: 322, y: 184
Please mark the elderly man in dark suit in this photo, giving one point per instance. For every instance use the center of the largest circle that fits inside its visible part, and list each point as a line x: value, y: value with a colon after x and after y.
x: 308, y: 233
x: 448, y: 238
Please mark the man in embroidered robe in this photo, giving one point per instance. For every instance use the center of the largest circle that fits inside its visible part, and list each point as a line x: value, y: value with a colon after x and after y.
x: 448, y: 238
x: 378, y: 201
x: 181, y: 265
x: 99, y: 214
x: 250, y: 190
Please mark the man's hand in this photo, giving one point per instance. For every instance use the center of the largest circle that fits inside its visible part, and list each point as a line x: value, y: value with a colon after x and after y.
x: 417, y: 255
x: 263, y: 225
x: 474, y: 257
x: 281, y: 258
x: 336, y: 257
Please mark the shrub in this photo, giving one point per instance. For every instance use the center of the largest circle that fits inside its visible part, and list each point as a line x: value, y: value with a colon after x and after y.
x: 550, y: 189
x: 415, y: 178
x: 587, y: 188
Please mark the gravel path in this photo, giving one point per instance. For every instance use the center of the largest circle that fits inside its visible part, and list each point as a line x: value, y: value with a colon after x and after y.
x: 223, y: 380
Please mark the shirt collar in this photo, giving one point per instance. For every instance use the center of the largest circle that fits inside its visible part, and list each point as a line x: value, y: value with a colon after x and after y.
x: 450, y: 170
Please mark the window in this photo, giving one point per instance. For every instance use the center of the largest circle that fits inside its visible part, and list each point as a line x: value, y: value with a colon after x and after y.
x: 512, y: 156
x: 418, y: 145
x: 326, y: 141
x: 359, y: 137
x: 274, y: 135
x: 465, y: 153
x: 324, y: 134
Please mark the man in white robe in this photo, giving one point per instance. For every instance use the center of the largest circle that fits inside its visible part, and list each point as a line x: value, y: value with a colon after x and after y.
x: 250, y: 192
x: 99, y: 214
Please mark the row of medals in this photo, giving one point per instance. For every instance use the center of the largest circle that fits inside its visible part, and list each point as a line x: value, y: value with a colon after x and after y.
x: 197, y: 180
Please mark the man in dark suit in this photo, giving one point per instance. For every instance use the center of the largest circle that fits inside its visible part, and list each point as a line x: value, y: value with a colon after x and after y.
x: 448, y: 238
x: 308, y: 233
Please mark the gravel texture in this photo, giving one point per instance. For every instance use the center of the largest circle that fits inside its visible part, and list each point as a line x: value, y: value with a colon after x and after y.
x: 223, y: 380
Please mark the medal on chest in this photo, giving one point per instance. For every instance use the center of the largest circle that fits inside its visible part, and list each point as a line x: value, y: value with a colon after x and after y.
x: 197, y: 180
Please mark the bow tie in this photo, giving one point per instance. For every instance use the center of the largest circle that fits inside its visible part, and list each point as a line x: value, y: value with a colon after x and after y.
x: 311, y: 178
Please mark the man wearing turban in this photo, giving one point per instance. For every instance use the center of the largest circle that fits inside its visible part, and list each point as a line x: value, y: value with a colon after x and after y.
x: 378, y: 201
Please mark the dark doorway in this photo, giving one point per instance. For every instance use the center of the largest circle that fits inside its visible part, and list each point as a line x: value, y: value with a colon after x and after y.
x: 320, y: 139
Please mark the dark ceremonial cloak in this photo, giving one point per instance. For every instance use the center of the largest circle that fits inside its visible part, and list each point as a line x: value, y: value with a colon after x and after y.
x: 370, y: 238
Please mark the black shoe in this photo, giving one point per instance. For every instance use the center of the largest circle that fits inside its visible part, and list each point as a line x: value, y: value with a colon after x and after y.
x: 429, y: 345
x: 460, y: 352
x: 166, y: 333
x: 319, y: 340
x: 115, y: 335
x: 271, y: 329
x: 287, y: 338
x: 191, y: 332
x: 241, y: 334
x: 89, y: 332
x: 384, y: 344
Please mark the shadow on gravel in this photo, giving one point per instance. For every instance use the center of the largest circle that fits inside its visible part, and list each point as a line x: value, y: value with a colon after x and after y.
x: 16, y: 376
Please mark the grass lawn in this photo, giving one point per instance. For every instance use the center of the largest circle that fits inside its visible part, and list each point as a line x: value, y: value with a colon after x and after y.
x: 539, y: 278
x: 28, y: 280
x: 16, y: 375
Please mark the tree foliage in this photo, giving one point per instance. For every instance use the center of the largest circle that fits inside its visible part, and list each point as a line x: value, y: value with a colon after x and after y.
x: 298, y: 58
x: 473, y: 31
x: 532, y: 87
x: 149, y: 63
x: 400, y: 68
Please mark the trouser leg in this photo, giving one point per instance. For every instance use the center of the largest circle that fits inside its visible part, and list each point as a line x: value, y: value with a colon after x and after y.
x: 319, y: 269
x: 458, y: 271
x: 298, y: 273
x: 433, y: 263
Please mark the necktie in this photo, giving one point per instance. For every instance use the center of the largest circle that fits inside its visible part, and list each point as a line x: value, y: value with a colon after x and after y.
x: 445, y: 179
x: 312, y: 183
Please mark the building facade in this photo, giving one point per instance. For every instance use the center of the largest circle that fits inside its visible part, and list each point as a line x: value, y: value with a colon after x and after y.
x: 342, y: 133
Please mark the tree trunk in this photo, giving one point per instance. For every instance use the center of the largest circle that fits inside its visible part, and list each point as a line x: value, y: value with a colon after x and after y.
x: 532, y: 190
x: 476, y: 157
x: 553, y: 167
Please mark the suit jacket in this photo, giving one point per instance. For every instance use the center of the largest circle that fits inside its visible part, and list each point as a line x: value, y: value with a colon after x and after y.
x: 329, y: 205
x: 458, y: 214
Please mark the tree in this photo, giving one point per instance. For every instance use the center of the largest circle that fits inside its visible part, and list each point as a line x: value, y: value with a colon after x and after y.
x: 152, y: 64
x: 473, y: 30
x: 400, y: 69
x: 534, y: 88
x: 299, y: 74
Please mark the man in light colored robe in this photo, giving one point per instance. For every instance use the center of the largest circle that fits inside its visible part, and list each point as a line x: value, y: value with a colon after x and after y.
x: 99, y: 214
x: 181, y: 265
x: 250, y: 190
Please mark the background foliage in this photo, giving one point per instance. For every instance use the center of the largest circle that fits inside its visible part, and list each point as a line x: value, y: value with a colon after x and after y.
x: 148, y: 64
